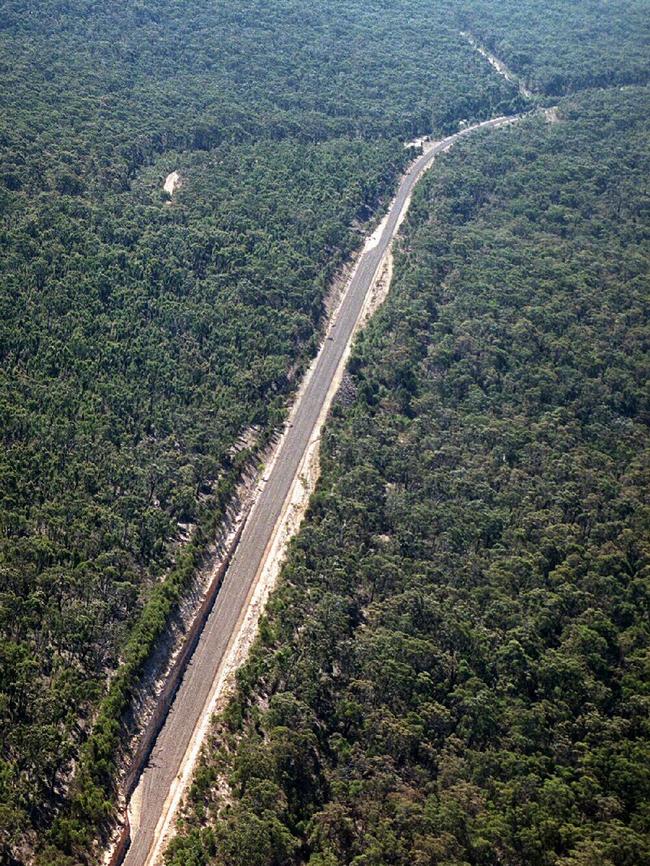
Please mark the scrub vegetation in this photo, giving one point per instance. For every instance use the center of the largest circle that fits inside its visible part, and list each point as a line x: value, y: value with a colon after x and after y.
x: 141, y: 336
x: 558, y: 46
x: 454, y: 669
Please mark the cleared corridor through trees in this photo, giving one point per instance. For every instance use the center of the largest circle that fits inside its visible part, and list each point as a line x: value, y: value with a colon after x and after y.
x: 156, y: 798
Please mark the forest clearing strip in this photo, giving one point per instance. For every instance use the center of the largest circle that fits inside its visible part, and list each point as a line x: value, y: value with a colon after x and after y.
x: 273, y: 520
x: 499, y: 65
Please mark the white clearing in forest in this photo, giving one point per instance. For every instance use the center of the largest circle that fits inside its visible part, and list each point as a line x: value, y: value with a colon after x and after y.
x: 172, y: 181
x: 424, y: 142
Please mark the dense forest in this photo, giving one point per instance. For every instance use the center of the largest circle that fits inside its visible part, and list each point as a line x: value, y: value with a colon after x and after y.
x: 141, y: 337
x: 141, y: 334
x: 454, y: 668
x: 559, y: 47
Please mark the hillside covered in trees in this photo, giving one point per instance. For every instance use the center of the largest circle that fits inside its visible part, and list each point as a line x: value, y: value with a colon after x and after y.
x: 141, y: 336
x: 454, y: 668
x: 559, y: 47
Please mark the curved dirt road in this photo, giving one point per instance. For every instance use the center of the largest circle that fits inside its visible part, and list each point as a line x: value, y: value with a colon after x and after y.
x: 152, y: 805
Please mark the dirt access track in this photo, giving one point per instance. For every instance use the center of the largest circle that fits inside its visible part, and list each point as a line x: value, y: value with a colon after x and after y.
x: 253, y: 568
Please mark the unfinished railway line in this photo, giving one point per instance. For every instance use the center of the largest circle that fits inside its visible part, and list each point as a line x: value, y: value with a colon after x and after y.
x: 154, y: 803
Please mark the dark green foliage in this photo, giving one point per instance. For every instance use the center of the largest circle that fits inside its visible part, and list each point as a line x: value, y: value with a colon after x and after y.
x: 455, y: 667
x: 139, y: 339
x: 93, y: 90
x: 560, y: 46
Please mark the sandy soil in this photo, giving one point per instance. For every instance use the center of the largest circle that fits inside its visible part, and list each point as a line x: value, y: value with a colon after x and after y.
x: 379, y: 289
x: 424, y: 142
x: 172, y: 182
x: 499, y: 65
